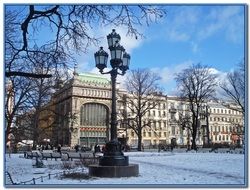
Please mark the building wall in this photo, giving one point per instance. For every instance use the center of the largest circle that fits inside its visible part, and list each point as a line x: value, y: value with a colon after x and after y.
x: 90, y: 88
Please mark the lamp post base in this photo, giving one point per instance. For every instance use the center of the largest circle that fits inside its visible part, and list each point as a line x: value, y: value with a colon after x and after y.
x: 113, y: 155
x: 132, y: 170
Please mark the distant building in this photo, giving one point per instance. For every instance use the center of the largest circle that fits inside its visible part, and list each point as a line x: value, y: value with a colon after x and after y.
x: 83, y: 107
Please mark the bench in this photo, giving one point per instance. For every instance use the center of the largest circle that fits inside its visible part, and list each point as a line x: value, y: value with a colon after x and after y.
x: 80, y: 155
x: 203, y: 150
x: 46, y: 155
x: 32, y: 154
x: 56, y: 155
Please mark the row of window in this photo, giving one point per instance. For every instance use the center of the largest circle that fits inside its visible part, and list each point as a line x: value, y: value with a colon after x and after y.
x: 226, y: 119
x: 221, y: 138
x: 92, y: 134
x: 96, y: 93
x: 164, y: 134
x: 224, y: 111
x: 150, y: 134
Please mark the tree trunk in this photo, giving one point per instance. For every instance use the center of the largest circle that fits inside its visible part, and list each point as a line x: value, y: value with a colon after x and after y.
x: 194, y: 126
x: 139, y: 140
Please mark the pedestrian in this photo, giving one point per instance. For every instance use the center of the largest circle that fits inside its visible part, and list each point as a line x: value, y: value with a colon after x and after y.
x: 59, y: 148
x: 77, y: 148
x: 103, y: 148
x: 8, y: 150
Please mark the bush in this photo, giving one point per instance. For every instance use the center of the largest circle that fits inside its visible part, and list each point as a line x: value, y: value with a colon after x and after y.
x: 76, y: 175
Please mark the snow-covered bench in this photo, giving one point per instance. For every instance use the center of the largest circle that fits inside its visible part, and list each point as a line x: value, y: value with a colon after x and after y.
x: 79, y: 155
x: 203, y: 150
x: 51, y: 155
x: 32, y: 154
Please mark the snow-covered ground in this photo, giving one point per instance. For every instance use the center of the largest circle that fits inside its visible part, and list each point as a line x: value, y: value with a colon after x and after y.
x: 155, y: 169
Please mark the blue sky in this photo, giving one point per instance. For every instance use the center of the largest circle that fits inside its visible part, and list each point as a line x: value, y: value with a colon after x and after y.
x: 210, y: 34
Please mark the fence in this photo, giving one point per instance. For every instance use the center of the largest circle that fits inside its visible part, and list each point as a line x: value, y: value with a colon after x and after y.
x: 34, y: 181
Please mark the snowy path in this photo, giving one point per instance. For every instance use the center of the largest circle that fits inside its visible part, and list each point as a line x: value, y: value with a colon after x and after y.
x: 189, y: 172
x: 202, y: 169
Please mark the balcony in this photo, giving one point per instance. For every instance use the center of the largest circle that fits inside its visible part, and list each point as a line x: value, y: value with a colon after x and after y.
x: 172, y: 110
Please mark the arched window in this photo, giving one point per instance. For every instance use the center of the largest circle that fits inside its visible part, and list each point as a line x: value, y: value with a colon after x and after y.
x: 94, y: 114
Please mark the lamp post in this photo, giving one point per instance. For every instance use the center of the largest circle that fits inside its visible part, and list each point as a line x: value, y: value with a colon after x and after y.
x: 113, y: 156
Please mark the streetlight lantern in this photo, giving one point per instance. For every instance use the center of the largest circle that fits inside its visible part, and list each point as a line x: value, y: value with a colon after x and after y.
x: 116, y: 52
x: 125, y: 62
x: 101, y: 58
x: 113, y: 38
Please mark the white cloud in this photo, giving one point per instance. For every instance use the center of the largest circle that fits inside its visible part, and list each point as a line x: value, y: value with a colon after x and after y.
x: 181, y: 22
x: 228, y: 19
x: 194, y: 24
x: 167, y: 75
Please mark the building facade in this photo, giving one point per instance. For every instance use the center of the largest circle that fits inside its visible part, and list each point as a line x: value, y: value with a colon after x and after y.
x: 83, y: 107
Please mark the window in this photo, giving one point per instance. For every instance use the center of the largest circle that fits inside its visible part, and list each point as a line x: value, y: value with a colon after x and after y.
x: 173, y: 130
x: 159, y: 124
x: 172, y: 116
x: 93, y: 114
x: 164, y: 106
x: 172, y: 105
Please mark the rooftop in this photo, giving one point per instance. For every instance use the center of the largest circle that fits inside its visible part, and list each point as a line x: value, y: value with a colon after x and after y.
x: 93, y: 78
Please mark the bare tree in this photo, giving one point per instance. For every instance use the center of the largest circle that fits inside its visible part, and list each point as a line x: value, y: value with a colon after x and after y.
x: 69, y: 28
x: 185, y: 123
x: 234, y: 87
x: 196, y: 84
x: 15, y: 101
x: 143, y: 88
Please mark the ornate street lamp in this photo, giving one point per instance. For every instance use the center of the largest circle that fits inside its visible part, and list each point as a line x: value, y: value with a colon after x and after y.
x: 113, y: 156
